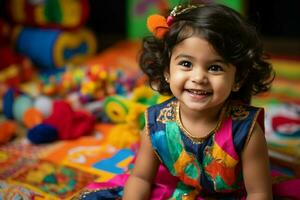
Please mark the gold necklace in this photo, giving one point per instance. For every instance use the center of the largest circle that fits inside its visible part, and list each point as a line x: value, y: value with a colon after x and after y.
x: 196, y: 139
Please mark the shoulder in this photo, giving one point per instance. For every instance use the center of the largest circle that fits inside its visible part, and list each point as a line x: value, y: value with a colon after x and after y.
x: 166, y: 103
x: 158, y: 115
x: 238, y: 110
x: 245, y: 113
x: 165, y: 109
x: 244, y: 118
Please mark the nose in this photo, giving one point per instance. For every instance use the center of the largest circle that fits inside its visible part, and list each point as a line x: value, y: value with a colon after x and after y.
x: 199, y: 76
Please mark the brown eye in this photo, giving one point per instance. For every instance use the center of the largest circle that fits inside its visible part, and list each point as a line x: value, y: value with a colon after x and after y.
x: 215, y: 68
x: 185, y: 64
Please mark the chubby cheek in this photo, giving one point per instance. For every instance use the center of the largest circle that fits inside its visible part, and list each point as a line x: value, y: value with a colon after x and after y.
x: 223, y: 90
x: 224, y: 93
x: 176, y: 86
x: 177, y: 80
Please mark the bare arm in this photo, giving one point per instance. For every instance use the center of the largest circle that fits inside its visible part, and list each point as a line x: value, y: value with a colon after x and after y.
x: 256, y: 167
x: 138, y: 185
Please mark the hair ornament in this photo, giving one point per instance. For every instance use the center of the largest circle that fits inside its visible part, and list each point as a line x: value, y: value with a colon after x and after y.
x: 157, y: 24
x: 177, y: 10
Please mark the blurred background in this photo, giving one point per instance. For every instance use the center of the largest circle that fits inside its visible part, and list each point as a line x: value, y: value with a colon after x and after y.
x: 278, y: 21
x: 72, y: 97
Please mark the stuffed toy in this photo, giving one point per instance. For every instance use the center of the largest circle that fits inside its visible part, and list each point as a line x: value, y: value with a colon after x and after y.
x: 128, y: 115
x: 64, y: 123
x: 54, y: 48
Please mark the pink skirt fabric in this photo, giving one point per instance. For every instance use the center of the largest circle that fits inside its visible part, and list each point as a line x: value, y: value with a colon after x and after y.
x: 163, y: 188
x: 165, y: 185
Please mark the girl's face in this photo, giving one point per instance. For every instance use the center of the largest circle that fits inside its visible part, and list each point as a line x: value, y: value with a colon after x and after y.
x: 199, y: 78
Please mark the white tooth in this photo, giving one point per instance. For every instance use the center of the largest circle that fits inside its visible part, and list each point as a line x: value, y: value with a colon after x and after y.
x: 198, y: 92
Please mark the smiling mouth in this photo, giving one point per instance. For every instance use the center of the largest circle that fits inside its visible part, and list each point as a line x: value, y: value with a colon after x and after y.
x: 199, y: 92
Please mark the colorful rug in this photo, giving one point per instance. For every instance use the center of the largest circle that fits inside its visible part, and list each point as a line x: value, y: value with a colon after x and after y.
x: 59, y: 170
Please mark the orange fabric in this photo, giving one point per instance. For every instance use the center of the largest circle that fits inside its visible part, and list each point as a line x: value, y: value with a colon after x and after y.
x: 217, y: 169
x: 179, y: 166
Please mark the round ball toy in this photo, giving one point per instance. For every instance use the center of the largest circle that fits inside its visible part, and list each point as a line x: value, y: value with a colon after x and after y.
x: 44, y: 105
x: 8, y: 102
x: 32, y: 117
x: 21, y: 104
x: 42, y: 133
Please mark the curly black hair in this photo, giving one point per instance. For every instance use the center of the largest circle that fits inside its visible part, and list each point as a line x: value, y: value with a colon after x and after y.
x: 236, y: 40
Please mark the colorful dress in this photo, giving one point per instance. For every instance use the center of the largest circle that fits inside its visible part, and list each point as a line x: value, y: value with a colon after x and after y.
x: 205, y: 166
x: 198, y: 167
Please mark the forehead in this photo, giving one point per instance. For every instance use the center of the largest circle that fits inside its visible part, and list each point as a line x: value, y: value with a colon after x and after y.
x: 196, y: 47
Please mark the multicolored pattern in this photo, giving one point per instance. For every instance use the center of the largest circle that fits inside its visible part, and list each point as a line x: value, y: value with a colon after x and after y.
x: 14, y: 192
x: 211, y: 167
x: 52, y: 179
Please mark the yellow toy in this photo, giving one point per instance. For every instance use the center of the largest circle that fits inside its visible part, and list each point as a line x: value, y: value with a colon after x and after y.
x: 128, y: 115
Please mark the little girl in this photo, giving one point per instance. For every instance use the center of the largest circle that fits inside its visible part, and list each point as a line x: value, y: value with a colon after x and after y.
x: 207, y: 136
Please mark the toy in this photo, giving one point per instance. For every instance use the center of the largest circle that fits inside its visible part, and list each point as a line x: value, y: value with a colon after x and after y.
x: 66, y: 14
x: 54, y: 48
x: 8, y: 102
x: 120, y: 109
x: 128, y: 115
x: 43, y: 104
x: 64, y: 123
x: 32, y: 117
x: 25, y: 109
x: 21, y: 104
x: 92, y: 83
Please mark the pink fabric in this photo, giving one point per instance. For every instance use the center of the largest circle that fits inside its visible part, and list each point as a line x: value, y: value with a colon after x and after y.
x: 289, y: 188
x: 165, y: 184
x: 163, y: 188
x: 224, y: 138
x: 118, y: 180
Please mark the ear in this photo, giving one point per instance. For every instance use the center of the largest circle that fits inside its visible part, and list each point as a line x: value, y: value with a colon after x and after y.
x: 236, y: 87
x: 167, y: 76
